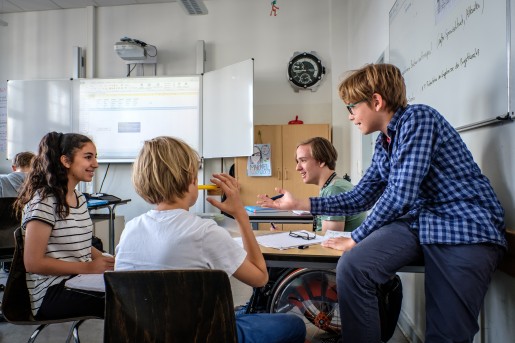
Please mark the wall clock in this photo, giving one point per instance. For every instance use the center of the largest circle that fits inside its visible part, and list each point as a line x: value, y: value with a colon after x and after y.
x: 305, y: 71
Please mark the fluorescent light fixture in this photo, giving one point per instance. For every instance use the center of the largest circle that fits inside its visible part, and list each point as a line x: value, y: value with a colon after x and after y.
x: 193, y: 7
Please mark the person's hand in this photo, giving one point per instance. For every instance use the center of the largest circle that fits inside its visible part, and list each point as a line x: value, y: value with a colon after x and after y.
x: 339, y: 243
x: 274, y: 228
x: 231, y: 189
x: 101, y: 263
x: 286, y: 202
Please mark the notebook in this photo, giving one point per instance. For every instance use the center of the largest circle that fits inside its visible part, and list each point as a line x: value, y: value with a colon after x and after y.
x: 255, y: 209
x: 96, y: 202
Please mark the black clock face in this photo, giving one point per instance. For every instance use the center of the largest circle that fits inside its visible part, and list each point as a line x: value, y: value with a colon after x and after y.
x: 305, y: 70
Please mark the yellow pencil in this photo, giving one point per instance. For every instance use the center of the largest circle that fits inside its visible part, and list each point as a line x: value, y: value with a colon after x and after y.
x: 208, y: 187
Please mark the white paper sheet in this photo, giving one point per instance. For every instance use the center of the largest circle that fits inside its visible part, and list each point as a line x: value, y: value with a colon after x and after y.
x: 284, y: 241
x: 333, y: 234
x: 87, y: 282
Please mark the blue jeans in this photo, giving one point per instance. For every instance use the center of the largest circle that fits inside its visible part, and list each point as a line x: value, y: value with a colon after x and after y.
x: 270, y: 328
x: 456, y: 281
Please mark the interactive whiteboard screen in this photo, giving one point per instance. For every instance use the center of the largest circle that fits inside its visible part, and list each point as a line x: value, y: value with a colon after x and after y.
x: 120, y: 114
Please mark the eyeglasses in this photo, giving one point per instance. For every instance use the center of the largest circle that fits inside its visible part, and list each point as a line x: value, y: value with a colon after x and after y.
x: 303, y: 235
x: 351, y: 106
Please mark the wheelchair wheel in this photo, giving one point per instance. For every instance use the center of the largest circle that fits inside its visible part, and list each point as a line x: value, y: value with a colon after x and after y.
x: 310, y: 294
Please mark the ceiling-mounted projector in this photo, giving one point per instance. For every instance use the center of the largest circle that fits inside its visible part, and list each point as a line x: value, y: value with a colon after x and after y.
x: 130, y: 51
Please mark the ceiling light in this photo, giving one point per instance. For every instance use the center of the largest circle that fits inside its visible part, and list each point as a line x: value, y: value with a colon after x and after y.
x: 193, y: 7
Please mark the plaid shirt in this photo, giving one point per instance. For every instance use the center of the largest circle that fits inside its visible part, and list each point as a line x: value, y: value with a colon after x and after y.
x: 425, y: 172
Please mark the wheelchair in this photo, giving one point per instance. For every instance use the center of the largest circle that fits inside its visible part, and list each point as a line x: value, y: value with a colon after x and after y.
x: 307, y: 293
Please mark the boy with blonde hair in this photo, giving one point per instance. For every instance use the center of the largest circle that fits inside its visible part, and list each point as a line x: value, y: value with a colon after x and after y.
x: 170, y: 237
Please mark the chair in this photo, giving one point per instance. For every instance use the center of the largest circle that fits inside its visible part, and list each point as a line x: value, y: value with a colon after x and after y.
x: 169, y: 306
x: 16, y: 304
x: 9, y: 221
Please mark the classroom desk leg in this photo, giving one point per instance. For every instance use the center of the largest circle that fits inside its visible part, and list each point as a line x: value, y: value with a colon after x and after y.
x: 111, y: 228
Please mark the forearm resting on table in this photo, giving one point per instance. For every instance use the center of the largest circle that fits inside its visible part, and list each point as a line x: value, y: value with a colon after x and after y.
x: 52, y: 266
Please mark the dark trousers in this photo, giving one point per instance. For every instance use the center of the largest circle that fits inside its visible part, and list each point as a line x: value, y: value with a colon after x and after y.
x: 60, y: 302
x: 456, y: 281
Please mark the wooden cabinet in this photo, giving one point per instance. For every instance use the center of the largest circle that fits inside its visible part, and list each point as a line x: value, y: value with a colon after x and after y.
x: 283, y: 140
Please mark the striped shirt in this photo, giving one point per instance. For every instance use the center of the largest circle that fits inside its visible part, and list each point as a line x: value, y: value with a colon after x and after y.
x: 70, y: 240
x: 425, y: 172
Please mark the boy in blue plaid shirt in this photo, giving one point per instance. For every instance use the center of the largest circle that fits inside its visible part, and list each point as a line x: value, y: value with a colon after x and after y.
x: 429, y: 200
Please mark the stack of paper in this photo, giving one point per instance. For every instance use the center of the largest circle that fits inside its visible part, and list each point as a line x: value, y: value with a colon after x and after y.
x: 334, y: 234
x: 284, y: 241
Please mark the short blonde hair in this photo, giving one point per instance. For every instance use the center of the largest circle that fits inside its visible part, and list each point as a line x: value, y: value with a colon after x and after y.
x: 384, y: 79
x: 164, y: 169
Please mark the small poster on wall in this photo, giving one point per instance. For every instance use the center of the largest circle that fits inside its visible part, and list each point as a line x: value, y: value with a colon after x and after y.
x: 259, y: 163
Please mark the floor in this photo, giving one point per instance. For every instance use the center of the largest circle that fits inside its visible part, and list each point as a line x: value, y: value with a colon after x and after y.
x: 92, y: 330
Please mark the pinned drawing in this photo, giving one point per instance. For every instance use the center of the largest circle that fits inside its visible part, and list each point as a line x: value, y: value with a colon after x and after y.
x: 259, y: 163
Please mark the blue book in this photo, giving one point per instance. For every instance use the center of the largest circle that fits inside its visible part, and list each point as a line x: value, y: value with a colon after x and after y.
x: 254, y: 209
x: 96, y: 202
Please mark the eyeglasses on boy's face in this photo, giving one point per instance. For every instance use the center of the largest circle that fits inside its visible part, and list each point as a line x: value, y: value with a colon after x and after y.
x: 303, y: 235
x: 351, y: 106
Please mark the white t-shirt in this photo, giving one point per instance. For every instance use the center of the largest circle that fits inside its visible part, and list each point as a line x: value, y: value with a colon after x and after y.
x: 70, y: 240
x: 176, y: 239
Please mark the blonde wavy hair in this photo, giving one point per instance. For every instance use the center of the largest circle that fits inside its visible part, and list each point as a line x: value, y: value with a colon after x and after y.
x: 164, y: 169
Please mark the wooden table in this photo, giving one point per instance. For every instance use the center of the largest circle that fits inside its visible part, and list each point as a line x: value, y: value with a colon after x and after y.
x: 315, y: 257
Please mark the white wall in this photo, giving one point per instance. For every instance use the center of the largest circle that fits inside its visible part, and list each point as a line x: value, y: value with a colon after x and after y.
x: 39, y: 45
x: 360, y: 40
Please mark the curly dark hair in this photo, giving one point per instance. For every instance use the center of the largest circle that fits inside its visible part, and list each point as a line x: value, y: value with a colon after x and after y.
x: 48, y: 175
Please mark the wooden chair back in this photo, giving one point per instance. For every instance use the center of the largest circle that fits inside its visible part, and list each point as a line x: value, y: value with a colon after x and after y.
x: 169, y: 306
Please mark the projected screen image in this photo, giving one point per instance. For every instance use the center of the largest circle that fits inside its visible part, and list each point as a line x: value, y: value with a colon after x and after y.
x: 120, y: 114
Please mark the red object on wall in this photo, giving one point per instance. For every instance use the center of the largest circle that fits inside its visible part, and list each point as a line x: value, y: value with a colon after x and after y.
x: 296, y: 121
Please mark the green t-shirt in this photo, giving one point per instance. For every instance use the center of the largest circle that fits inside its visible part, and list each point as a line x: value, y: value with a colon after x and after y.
x: 337, y: 186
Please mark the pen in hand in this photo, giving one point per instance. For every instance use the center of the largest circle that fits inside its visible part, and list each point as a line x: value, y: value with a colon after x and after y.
x: 279, y: 196
x: 274, y: 228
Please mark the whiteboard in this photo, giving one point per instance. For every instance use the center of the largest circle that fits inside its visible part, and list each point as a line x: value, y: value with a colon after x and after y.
x: 228, y: 111
x: 35, y: 108
x: 119, y: 114
x: 453, y: 56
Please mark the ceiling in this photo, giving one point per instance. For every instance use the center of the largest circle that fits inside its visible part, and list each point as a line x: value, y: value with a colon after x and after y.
x: 12, y: 6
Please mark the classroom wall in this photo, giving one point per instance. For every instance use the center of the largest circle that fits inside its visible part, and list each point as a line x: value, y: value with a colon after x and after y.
x: 39, y: 45
x: 346, y: 33
x: 367, y: 21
